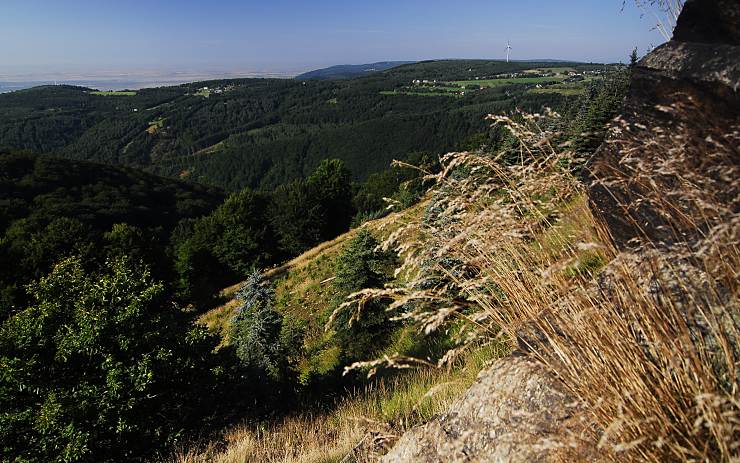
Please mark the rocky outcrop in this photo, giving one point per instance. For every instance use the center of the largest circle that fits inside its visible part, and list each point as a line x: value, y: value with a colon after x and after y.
x: 515, y: 412
x: 677, y: 139
x: 713, y: 21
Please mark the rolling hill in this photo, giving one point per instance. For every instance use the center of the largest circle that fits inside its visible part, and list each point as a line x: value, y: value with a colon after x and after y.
x: 350, y: 71
x: 264, y: 132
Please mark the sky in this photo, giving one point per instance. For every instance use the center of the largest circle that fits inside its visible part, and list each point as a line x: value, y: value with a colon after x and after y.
x: 46, y: 38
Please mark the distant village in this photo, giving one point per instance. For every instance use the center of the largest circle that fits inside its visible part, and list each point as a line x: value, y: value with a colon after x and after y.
x: 570, y: 76
x: 208, y: 91
x: 546, y: 78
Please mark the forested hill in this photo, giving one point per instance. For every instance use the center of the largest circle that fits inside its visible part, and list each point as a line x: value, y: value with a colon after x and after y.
x: 52, y: 208
x: 46, y: 188
x: 265, y: 132
x: 350, y: 71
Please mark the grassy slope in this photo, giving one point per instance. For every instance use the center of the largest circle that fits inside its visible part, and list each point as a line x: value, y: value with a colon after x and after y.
x: 388, y: 407
x: 302, y: 285
x: 368, y: 421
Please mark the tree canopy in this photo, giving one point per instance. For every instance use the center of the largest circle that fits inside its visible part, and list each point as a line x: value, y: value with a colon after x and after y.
x: 99, y: 367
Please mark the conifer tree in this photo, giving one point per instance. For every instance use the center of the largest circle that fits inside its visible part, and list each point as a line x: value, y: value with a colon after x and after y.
x: 256, y: 330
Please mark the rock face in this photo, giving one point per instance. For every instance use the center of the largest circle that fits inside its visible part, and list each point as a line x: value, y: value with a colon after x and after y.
x: 514, y: 413
x: 713, y: 21
x: 678, y: 136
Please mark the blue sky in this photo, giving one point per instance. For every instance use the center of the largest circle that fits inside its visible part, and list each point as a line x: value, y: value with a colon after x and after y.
x: 85, y: 36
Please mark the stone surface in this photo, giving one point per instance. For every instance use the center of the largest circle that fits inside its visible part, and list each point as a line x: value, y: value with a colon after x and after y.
x: 678, y: 136
x: 515, y: 412
x: 709, y: 21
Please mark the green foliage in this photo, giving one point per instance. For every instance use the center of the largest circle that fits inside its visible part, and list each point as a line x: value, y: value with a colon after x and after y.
x: 257, y: 331
x: 371, y: 194
x: 634, y: 58
x: 306, y: 212
x: 99, y: 367
x: 53, y: 208
x: 220, y: 248
x: 297, y: 217
x: 138, y: 245
x: 361, y: 265
x: 200, y: 274
x: 402, y: 186
x: 361, y: 333
x: 243, y: 235
x: 331, y: 186
x: 602, y: 103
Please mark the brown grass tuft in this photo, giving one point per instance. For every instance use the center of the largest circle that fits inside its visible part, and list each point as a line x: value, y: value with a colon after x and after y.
x: 645, y: 339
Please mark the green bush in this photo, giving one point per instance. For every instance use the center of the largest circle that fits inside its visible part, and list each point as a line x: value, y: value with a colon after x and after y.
x: 99, y: 367
x: 223, y: 247
x: 306, y: 212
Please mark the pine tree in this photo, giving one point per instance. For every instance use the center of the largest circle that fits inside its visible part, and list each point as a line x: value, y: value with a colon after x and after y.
x: 256, y: 330
x: 362, y: 266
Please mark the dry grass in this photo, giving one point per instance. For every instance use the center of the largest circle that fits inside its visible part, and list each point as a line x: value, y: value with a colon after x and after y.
x: 649, y: 343
x: 363, y: 425
x: 646, y: 339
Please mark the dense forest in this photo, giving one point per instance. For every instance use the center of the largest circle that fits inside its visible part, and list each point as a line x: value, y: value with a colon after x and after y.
x: 261, y: 133
x: 106, y: 266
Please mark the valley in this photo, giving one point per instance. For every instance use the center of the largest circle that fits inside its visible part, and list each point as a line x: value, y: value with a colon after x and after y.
x: 280, y: 191
x: 260, y: 133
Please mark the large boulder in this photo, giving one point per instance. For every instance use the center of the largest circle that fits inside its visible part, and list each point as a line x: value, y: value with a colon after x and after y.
x: 709, y: 21
x: 515, y: 412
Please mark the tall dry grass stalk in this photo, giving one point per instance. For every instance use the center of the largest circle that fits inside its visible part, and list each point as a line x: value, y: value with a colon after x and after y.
x: 645, y: 339
x: 664, y: 12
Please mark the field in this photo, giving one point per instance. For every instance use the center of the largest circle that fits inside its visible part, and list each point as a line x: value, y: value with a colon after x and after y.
x: 155, y: 126
x: 555, y: 80
x: 112, y: 93
x: 560, y: 70
x: 461, y: 87
x: 560, y: 90
x: 510, y: 81
x: 404, y: 92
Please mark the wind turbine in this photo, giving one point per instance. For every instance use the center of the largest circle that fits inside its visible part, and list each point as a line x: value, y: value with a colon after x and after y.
x: 508, y: 50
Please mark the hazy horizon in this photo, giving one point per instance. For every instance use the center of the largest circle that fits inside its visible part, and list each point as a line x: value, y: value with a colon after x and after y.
x: 83, y: 39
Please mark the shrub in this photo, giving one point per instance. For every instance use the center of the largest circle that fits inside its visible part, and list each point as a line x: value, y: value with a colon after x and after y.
x: 224, y: 246
x: 100, y: 367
